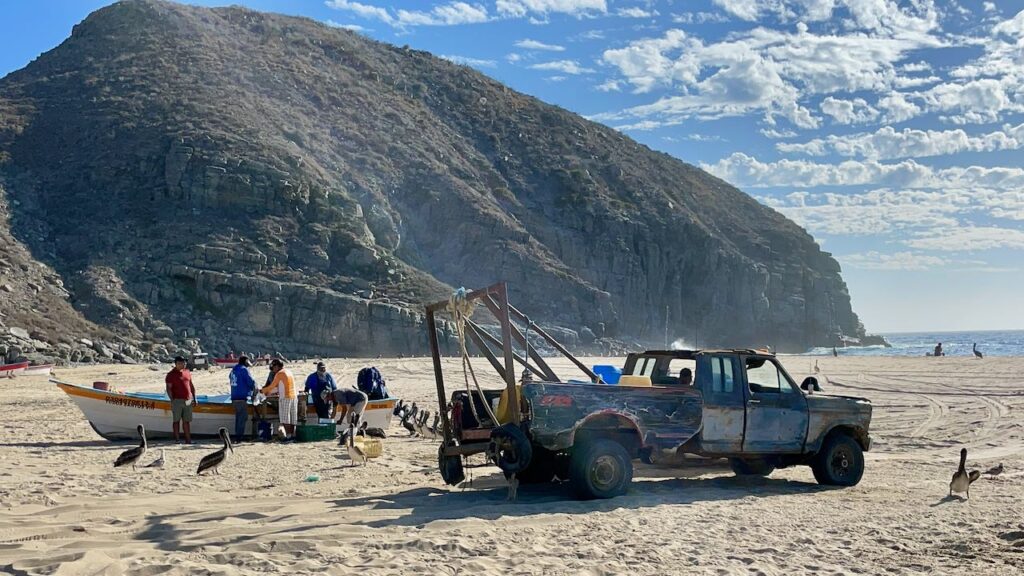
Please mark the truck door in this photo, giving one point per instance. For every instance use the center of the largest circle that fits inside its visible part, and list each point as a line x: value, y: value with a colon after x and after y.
x: 776, y: 411
x: 717, y: 378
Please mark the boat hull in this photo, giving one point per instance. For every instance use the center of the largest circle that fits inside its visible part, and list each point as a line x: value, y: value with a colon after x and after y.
x: 10, y: 370
x: 41, y: 370
x: 115, y: 415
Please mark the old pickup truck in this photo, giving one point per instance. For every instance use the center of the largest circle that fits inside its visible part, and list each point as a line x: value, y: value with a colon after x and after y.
x: 740, y: 404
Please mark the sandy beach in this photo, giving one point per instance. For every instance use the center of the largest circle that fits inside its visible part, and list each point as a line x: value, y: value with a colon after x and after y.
x: 65, y: 510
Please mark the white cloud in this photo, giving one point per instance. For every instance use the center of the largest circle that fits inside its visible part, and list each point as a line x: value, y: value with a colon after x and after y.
x: 855, y: 111
x: 989, y: 6
x: 777, y: 134
x: 887, y: 143
x: 467, y: 61
x: 520, y: 8
x: 564, y: 66
x: 352, y: 27
x: 743, y: 170
x: 451, y: 14
x: 529, y: 44
x: 698, y: 18
x: 610, y: 86
x: 889, y: 17
x: 892, y: 261
x: 970, y: 238
x: 636, y: 12
x: 513, y: 57
x: 896, y: 108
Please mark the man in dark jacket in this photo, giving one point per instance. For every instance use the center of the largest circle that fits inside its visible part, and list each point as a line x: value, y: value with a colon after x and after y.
x: 243, y: 387
x: 320, y: 385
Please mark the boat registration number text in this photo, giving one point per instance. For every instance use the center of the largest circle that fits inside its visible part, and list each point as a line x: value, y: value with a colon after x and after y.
x: 131, y: 402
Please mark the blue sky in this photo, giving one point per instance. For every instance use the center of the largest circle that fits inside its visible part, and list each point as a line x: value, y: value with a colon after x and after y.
x: 892, y: 131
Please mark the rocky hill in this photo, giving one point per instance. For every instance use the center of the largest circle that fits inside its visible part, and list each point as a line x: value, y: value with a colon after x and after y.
x: 262, y: 181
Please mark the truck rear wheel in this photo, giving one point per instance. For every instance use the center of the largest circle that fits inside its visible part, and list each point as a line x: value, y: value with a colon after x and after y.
x: 840, y: 462
x: 600, y: 468
x: 751, y: 466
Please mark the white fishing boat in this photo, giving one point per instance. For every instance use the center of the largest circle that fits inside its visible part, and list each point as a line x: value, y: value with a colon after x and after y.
x: 114, y: 415
x: 37, y: 370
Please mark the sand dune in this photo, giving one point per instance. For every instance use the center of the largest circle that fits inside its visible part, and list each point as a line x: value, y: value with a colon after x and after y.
x: 65, y: 510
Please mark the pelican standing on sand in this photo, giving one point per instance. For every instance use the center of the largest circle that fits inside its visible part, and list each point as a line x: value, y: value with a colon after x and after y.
x: 159, y: 462
x: 217, y: 459
x: 962, y: 480
x: 355, y: 453
x: 132, y: 456
x: 975, y: 349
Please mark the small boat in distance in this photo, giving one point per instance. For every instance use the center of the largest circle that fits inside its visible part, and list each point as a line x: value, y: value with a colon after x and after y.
x: 10, y: 370
x: 38, y: 370
x: 115, y: 415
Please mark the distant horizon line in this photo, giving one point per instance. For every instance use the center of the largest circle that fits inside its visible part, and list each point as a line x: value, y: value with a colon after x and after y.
x: 881, y: 333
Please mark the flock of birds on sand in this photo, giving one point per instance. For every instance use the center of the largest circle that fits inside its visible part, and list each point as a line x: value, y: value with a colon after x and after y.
x: 412, y: 418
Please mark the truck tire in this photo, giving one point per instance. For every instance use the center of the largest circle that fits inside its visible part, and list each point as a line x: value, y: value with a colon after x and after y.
x: 840, y: 462
x: 510, y: 449
x: 541, y: 468
x: 600, y: 468
x: 450, y: 467
x: 751, y: 466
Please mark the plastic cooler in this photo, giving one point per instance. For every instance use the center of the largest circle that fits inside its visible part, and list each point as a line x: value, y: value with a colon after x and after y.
x: 610, y: 374
x: 314, y: 432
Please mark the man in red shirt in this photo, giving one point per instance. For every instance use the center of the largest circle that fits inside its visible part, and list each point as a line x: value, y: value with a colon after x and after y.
x: 183, y: 397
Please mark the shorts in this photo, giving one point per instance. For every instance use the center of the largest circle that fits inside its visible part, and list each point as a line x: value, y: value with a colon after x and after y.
x: 288, y: 410
x: 181, y: 410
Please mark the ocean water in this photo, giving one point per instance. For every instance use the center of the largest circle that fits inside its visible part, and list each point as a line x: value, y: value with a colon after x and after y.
x: 990, y: 343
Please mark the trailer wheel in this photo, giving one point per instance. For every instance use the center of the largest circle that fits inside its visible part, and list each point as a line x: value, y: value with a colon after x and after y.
x: 600, y: 468
x: 751, y: 466
x: 840, y: 462
x: 510, y: 449
x: 450, y: 467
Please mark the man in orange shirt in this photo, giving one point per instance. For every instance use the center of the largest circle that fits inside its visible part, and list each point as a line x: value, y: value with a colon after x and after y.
x: 283, y: 386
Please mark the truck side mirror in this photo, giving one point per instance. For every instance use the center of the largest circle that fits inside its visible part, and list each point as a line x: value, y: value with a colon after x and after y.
x: 810, y: 384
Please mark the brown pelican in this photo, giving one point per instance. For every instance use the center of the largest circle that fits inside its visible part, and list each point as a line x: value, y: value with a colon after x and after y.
x: 433, y: 427
x: 132, y: 456
x: 365, y: 430
x: 355, y: 453
x: 406, y: 417
x: 159, y: 462
x: 217, y: 459
x: 962, y: 480
x: 995, y: 470
x: 976, y: 353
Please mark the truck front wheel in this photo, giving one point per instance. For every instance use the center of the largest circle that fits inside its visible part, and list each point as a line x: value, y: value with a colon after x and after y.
x: 600, y: 468
x: 840, y: 462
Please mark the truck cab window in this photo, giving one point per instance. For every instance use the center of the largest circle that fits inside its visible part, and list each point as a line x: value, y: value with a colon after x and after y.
x: 721, y: 375
x: 763, y: 377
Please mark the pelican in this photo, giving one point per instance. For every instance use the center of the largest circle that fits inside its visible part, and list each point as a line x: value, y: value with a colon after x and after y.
x: 399, y: 408
x: 995, y: 470
x: 407, y: 424
x: 816, y: 369
x: 365, y: 430
x: 132, y: 456
x: 962, y: 480
x: 159, y: 462
x: 355, y: 453
x: 976, y: 353
x: 217, y: 459
x: 433, y: 427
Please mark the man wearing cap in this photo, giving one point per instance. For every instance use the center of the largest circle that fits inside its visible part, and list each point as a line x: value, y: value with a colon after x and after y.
x: 183, y: 397
x: 242, y: 388
x: 355, y: 400
x: 320, y: 385
x: 283, y: 386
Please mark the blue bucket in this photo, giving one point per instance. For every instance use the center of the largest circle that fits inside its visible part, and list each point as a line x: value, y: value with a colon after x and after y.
x: 610, y: 374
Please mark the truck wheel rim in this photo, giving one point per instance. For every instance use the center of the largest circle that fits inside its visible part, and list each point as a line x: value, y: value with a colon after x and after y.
x: 841, y: 463
x: 604, y: 471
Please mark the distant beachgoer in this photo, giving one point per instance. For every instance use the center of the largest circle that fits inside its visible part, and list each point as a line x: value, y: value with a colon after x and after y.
x: 182, y: 393
x: 834, y: 351
x: 243, y: 387
x: 320, y: 385
x: 938, y: 350
x: 283, y: 386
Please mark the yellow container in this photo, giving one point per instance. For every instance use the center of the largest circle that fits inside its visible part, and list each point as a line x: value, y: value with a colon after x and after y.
x: 631, y: 380
x: 372, y: 447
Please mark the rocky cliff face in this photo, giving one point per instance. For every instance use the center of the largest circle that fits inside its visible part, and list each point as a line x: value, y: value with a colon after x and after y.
x: 265, y: 181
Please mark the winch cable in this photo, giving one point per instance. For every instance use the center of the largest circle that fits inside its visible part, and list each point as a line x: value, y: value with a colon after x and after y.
x: 461, y: 309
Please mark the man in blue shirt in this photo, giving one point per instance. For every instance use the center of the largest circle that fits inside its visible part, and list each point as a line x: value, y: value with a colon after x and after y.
x: 320, y: 385
x: 242, y: 388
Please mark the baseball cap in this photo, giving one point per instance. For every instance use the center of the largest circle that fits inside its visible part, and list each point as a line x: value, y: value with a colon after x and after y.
x: 244, y: 361
x: 320, y: 365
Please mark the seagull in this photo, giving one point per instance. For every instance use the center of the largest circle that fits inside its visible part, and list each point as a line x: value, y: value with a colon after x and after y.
x: 132, y: 456
x: 976, y: 353
x: 217, y: 459
x: 995, y: 470
x: 962, y: 480
x: 159, y: 462
x: 355, y: 453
